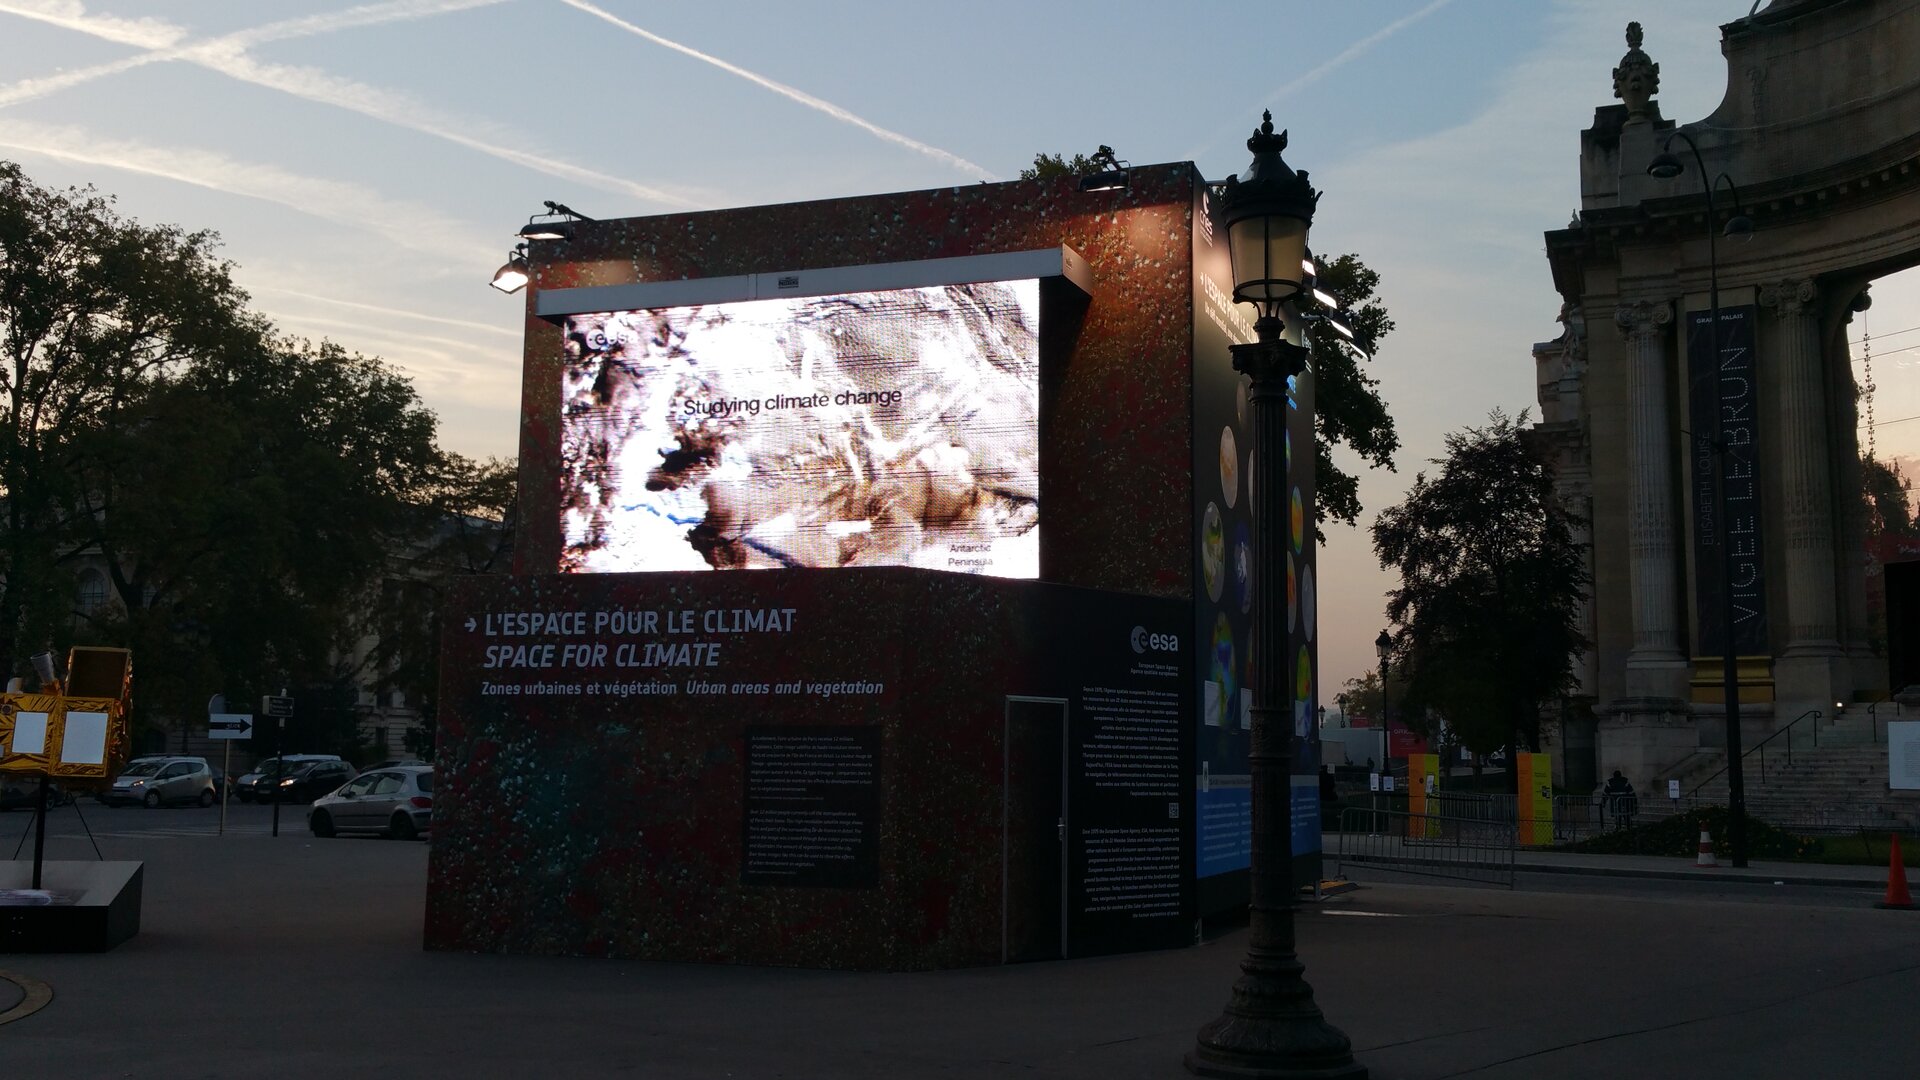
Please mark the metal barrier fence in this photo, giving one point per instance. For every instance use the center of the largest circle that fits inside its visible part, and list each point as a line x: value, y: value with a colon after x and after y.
x: 1429, y: 844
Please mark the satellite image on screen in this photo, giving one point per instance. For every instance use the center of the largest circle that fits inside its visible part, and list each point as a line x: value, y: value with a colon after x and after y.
x: 896, y: 428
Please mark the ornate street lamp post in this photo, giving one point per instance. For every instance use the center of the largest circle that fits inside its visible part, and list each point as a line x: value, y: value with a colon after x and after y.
x: 1271, y: 1026
x: 1665, y: 166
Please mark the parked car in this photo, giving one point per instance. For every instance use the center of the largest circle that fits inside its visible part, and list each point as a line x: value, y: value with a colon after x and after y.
x: 269, y: 772
x: 396, y: 802
x: 23, y: 793
x: 306, y: 783
x: 161, y: 782
x: 395, y: 763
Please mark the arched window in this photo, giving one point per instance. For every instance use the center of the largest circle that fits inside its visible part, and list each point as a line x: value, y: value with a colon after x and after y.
x: 90, y: 591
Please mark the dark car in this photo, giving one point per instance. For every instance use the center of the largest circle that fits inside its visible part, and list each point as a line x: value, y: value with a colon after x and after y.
x: 23, y: 793
x: 307, y: 783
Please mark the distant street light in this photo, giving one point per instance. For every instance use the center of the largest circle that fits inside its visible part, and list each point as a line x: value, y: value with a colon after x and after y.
x: 1271, y: 1026
x: 1383, y: 645
x: 1665, y: 166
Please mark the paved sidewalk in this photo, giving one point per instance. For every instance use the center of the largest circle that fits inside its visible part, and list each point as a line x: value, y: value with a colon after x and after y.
x: 1759, y: 871
x: 301, y: 958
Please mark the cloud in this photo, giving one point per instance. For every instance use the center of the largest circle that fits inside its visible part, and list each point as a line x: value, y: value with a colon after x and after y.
x: 791, y: 94
x: 409, y: 225
x: 72, y: 15
x: 228, y: 56
x: 511, y: 333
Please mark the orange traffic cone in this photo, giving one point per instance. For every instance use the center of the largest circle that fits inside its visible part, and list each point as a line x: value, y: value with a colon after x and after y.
x: 1705, y: 858
x: 1897, y: 895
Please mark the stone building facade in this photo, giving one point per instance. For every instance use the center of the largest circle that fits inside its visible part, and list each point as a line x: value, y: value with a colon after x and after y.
x: 1817, y: 145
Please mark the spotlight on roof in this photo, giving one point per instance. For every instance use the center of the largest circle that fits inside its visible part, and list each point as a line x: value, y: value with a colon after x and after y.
x: 513, y: 274
x: 1112, y: 174
x: 556, y: 224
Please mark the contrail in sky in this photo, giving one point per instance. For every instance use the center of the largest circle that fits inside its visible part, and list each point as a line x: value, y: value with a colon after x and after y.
x: 1340, y: 59
x: 286, y: 29
x: 792, y: 94
x: 407, y: 224
x: 227, y: 55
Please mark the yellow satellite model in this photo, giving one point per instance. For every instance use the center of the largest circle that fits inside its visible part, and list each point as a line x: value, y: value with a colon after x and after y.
x: 74, y: 732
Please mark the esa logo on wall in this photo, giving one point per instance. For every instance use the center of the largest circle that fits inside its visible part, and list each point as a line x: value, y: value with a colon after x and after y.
x: 1143, y: 641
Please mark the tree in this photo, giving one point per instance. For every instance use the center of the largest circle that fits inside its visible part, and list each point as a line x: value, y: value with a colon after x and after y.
x: 245, y: 494
x: 1052, y: 166
x: 1889, y: 510
x: 1347, y: 403
x: 92, y: 308
x: 1491, y: 586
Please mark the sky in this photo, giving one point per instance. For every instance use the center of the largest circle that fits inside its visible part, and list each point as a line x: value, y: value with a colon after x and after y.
x: 367, y: 165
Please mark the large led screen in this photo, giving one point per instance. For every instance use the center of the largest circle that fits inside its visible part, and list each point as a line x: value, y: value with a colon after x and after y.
x: 895, y: 428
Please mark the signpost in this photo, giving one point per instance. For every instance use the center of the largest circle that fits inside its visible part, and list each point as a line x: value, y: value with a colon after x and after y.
x: 227, y: 726
x: 279, y: 706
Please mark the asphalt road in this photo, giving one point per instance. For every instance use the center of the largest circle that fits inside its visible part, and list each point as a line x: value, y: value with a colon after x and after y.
x: 299, y: 957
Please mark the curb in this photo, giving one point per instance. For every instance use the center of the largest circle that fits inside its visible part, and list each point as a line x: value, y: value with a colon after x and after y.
x: 36, y: 996
x: 1696, y: 875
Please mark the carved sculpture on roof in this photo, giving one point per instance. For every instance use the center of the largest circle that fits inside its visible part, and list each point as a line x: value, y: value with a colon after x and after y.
x: 1637, y: 79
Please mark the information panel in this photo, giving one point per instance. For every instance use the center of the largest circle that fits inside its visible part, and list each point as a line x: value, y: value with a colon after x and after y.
x: 812, y: 806
x: 893, y: 428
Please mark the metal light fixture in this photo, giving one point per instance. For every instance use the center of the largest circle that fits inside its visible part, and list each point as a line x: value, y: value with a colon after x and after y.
x: 1383, y: 645
x: 1112, y: 174
x: 1271, y: 1026
x: 1666, y: 166
x: 513, y: 274
x: 557, y: 224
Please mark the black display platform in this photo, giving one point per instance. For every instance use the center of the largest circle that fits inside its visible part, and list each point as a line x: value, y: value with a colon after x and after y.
x: 79, y: 907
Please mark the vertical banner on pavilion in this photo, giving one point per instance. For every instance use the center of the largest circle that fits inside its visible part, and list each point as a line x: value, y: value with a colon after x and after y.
x: 1723, y: 395
x: 1223, y: 579
x: 1223, y: 558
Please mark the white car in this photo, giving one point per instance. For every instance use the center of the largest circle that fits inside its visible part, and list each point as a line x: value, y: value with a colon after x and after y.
x: 396, y: 802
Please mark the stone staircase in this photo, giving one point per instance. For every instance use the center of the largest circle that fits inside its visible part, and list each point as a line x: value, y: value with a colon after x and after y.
x: 1837, y: 784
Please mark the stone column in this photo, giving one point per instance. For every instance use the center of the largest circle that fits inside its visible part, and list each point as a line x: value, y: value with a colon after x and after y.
x: 1804, y: 460
x: 1651, y: 530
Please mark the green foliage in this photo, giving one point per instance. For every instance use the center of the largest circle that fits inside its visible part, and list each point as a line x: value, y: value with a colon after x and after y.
x: 1889, y: 510
x: 1347, y: 405
x: 1679, y: 835
x: 245, y: 494
x: 1491, y: 585
x: 1054, y: 166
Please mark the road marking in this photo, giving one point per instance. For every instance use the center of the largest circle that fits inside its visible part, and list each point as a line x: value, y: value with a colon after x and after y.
x: 1367, y: 914
x: 38, y: 995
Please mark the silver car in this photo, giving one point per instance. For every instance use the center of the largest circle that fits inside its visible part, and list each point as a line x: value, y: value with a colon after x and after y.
x: 157, y: 782
x: 395, y: 802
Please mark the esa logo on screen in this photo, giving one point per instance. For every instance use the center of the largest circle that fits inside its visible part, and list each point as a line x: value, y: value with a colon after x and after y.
x: 1143, y: 641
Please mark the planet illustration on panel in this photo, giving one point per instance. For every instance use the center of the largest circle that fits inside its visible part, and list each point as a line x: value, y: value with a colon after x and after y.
x: 1302, y: 691
x: 1229, y: 467
x: 1293, y: 595
x: 1243, y: 567
x: 1299, y: 520
x: 1213, y: 552
x: 1222, y: 669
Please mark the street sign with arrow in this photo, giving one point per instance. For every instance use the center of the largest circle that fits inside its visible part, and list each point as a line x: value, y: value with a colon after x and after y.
x: 229, y: 725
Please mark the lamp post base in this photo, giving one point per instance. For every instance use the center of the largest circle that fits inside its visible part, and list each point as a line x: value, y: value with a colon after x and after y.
x: 1272, y: 1030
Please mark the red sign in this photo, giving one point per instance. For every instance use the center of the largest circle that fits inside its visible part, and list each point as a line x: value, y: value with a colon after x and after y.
x: 1401, y: 741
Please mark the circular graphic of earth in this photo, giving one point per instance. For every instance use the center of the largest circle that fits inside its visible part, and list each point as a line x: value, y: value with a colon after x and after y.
x: 1243, y: 567
x: 1241, y: 390
x: 1293, y: 592
x: 1229, y: 467
x: 1221, y: 670
x: 1302, y: 692
x: 1299, y: 516
x: 1213, y: 552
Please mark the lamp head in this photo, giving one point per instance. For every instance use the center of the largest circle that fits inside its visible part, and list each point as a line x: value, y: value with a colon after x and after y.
x: 1383, y: 645
x: 1267, y: 210
x: 1665, y: 166
x: 43, y: 667
x: 1739, y: 227
x: 513, y: 274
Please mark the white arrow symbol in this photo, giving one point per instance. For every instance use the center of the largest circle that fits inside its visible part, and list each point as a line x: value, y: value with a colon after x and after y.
x: 469, y: 622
